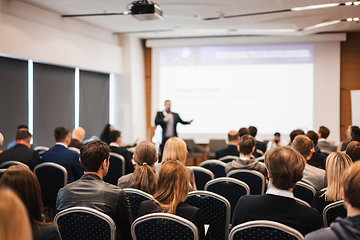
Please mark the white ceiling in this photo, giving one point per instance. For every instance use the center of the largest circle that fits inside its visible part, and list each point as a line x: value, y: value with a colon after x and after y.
x: 183, y: 18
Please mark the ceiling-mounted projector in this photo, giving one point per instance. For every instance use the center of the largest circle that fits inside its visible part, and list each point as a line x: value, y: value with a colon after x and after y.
x: 145, y: 11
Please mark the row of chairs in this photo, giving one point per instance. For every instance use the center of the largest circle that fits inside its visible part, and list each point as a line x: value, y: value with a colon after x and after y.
x: 78, y: 222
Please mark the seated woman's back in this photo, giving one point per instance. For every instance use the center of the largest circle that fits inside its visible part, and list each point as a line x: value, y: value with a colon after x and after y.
x: 336, y: 164
x: 173, y: 187
x: 144, y: 177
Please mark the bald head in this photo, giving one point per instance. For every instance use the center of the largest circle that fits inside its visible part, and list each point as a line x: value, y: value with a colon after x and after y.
x: 233, y: 137
x: 78, y: 133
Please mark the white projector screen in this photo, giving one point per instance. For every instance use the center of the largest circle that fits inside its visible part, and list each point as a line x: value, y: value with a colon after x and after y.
x: 225, y: 88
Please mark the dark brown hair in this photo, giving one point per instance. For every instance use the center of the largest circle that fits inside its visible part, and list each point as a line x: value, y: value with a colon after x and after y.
x: 60, y: 133
x: 93, y: 154
x: 285, y: 166
x: 24, y: 183
x: 22, y: 134
x: 246, y: 144
x: 144, y: 177
x: 325, y: 132
x: 353, y: 150
x: 242, y: 131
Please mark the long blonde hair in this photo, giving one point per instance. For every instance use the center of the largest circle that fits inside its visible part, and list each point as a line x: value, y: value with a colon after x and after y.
x: 173, y: 186
x: 14, y: 220
x: 175, y: 148
x: 336, y: 164
x: 144, y: 177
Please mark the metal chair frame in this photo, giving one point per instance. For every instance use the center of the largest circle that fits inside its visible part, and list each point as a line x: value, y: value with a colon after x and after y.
x: 307, y: 186
x: 90, y: 211
x: 302, y: 202
x: 204, y: 170
x: 223, y: 159
x: 213, y: 161
x: 254, y: 172
x: 268, y: 224
x: 167, y: 216
x: 12, y: 163
x: 122, y: 159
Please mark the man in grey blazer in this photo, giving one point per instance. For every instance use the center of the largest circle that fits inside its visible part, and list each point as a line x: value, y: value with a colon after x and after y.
x: 325, y: 146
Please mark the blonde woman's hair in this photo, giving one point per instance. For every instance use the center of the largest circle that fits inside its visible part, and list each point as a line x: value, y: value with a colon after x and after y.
x: 14, y: 220
x: 144, y: 177
x: 175, y: 148
x: 336, y: 164
x: 173, y: 186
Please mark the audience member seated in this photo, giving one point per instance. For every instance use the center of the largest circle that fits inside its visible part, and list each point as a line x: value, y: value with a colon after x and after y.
x: 312, y: 175
x: 318, y: 158
x: 105, y: 135
x: 90, y: 191
x: 232, y: 148
x: 355, y: 134
x: 349, y: 227
x: 144, y: 176
x: 247, y: 147
x: 21, y: 151
x: 78, y: 135
x: 115, y: 141
x: 325, y: 146
x: 23, y: 181
x: 173, y: 188
x: 285, y: 167
x: 348, y: 136
x: 175, y: 148
x: 243, y: 131
x: 276, y: 142
x: 259, y: 145
x: 14, y: 221
x: 294, y: 133
x: 1, y: 141
x: 353, y: 150
x: 336, y: 164
x: 61, y: 155
x: 20, y: 127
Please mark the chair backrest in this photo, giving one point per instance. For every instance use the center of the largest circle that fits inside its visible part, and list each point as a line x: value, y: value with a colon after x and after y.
x: 228, y: 158
x: 85, y: 223
x: 41, y: 149
x: 264, y: 229
x: 254, y: 179
x: 304, y: 192
x: 116, y: 168
x: 215, y: 210
x: 52, y: 177
x: 332, y: 211
x: 8, y: 164
x: 74, y: 149
x: 163, y: 226
x: 136, y: 197
x: 302, y: 202
x: 202, y: 176
x: 230, y: 188
x: 217, y: 167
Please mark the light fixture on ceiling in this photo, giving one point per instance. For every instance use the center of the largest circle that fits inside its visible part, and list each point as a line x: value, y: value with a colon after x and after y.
x: 325, y: 24
x: 327, y: 5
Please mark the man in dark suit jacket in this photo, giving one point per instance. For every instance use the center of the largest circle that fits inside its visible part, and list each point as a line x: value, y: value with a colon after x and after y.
x: 115, y: 138
x: 78, y: 135
x: 285, y: 167
x: 168, y: 121
x: 318, y: 159
x: 232, y: 148
x: 21, y: 151
x: 63, y: 156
